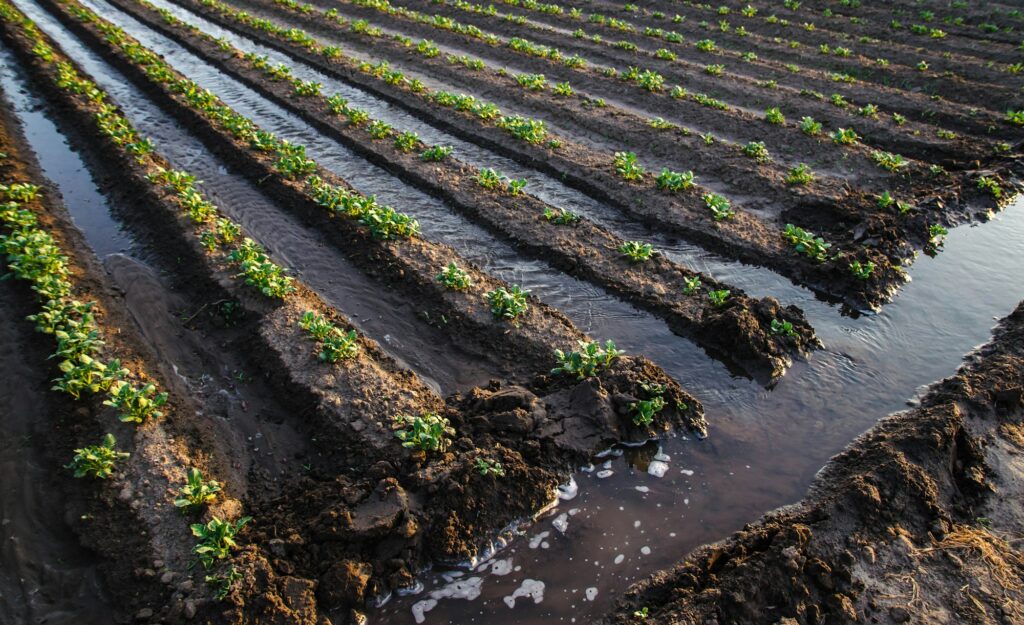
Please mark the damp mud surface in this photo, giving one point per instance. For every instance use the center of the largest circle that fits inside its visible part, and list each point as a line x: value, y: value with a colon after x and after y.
x: 595, y: 516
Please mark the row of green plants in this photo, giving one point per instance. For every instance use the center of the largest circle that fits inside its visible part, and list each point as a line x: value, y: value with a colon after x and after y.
x: 217, y: 235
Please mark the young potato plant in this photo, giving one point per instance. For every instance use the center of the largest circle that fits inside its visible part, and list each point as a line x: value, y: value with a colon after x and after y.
x: 489, y: 467
x: 454, y: 278
x: 429, y: 432
x: 307, y: 89
x: 936, y: 233
x: 585, y: 362
x: 627, y: 166
x: 561, y: 216
x: 86, y: 374
x: 810, y: 127
x: 774, y: 116
x: 508, y: 303
x: 97, y: 461
x: 259, y: 271
x: 719, y: 206
x: 844, y: 136
x: 804, y: 242
x: 692, y: 285
x: 782, y: 328
x: 889, y: 161
x: 196, y: 492
x: 407, y: 141
x: 799, y: 175
x: 436, y: 153
x: 757, y: 151
x: 719, y: 298
x: 134, y: 404
x: 991, y: 186
x: 862, y: 271
x: 674, y: 180
x: 216, y: 539
x: 645, y: 410
x: 636, y: 251
x: 223, y: 583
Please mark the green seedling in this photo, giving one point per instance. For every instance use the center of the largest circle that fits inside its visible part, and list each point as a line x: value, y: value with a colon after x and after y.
x: 585, y: 362
x: 407, y: 141
x: 135, y: 405
x: 216, y: 539
x: 454, y: 278
x: 674, y: 180
x: 429, y: 432
x: 799, y: 175
x: 561, y: 216
x: 757, y: 151
x: 645, y: 410
x: 719, y: 298
x: 96, y: 461
x: 436, y: 153
x: 339, y: 345
x: 196, y: 492
x: 719, y: 206
x: 804, y: 242
x: 636, y: 251
x: 626, y: 165
x: 889, y: 161
x: 844, y: 136
x: 774, y: 116
x: 508, y: 303
x: 862, y: 271
x: 782, y: 328
x: 692, y: 285
x: 489, y: 467
x: 222, y: 584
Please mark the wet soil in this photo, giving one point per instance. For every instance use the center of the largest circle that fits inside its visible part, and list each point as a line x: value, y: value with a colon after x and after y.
x: 915, y: 519
x: 740, y: 332
x: 364, y: 476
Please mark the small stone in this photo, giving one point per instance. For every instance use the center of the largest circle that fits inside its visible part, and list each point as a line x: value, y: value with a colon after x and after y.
x: 276, y: 546
x: 186, y: 586
x: 168, y: 577
x: 144, y: 614
x: 190, y: 609
x: 899, y: 614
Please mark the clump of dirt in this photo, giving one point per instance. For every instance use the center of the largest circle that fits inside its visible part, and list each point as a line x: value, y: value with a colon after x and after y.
x: 915, y: 521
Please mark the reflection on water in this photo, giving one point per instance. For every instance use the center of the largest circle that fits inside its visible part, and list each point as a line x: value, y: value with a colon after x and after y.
x: 641, y: 510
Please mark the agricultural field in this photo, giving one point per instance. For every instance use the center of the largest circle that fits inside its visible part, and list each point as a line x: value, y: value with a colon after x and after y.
x: 430, y: 311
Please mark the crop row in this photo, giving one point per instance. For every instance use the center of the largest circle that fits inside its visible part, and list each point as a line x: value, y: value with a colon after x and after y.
x: 566, y: 159
x: 740, y: 77
x: 876, y: 58
x: 570, y: 241
x: 88, y: 369
x: 650, y: 89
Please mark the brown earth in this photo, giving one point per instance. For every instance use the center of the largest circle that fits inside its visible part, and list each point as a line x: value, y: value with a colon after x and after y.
x: 918, y: 520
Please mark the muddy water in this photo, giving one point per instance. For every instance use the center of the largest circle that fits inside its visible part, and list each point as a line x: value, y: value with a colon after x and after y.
x: 765, y: 445
x: 758, y: 281
x: 763, y: 450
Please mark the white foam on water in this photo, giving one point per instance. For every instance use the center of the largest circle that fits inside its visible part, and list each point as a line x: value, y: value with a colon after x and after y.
x: 591, y: 593
x: 613, y: 452
x: 662, y: 456
x: 607, y: 465
x: 587, y: 469
x: 561, y: 522
x: 574, y: 511
x: 645, y: 550
x: 605, y: 473
x: 643, y: 489
x: 468, y: 589
x: 532, y: 588
x: 420, y: 609
x: 415, y: 589
x: 568, y: 490
x: 619, y: 558
x: 686, y: 472
x: 502, y: 567
x: 657, y: 468
x: 636, y: 523
x: 536, y: 539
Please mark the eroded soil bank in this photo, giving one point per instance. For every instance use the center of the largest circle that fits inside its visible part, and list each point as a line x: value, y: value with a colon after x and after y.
x: 917, y: 520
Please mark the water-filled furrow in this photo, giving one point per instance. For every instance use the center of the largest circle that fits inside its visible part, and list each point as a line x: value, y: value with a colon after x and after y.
x: 757, y: 281
x: 48, y: 577
x: 590, y: 308
x: 380, y: 313
x: 763, y: 450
